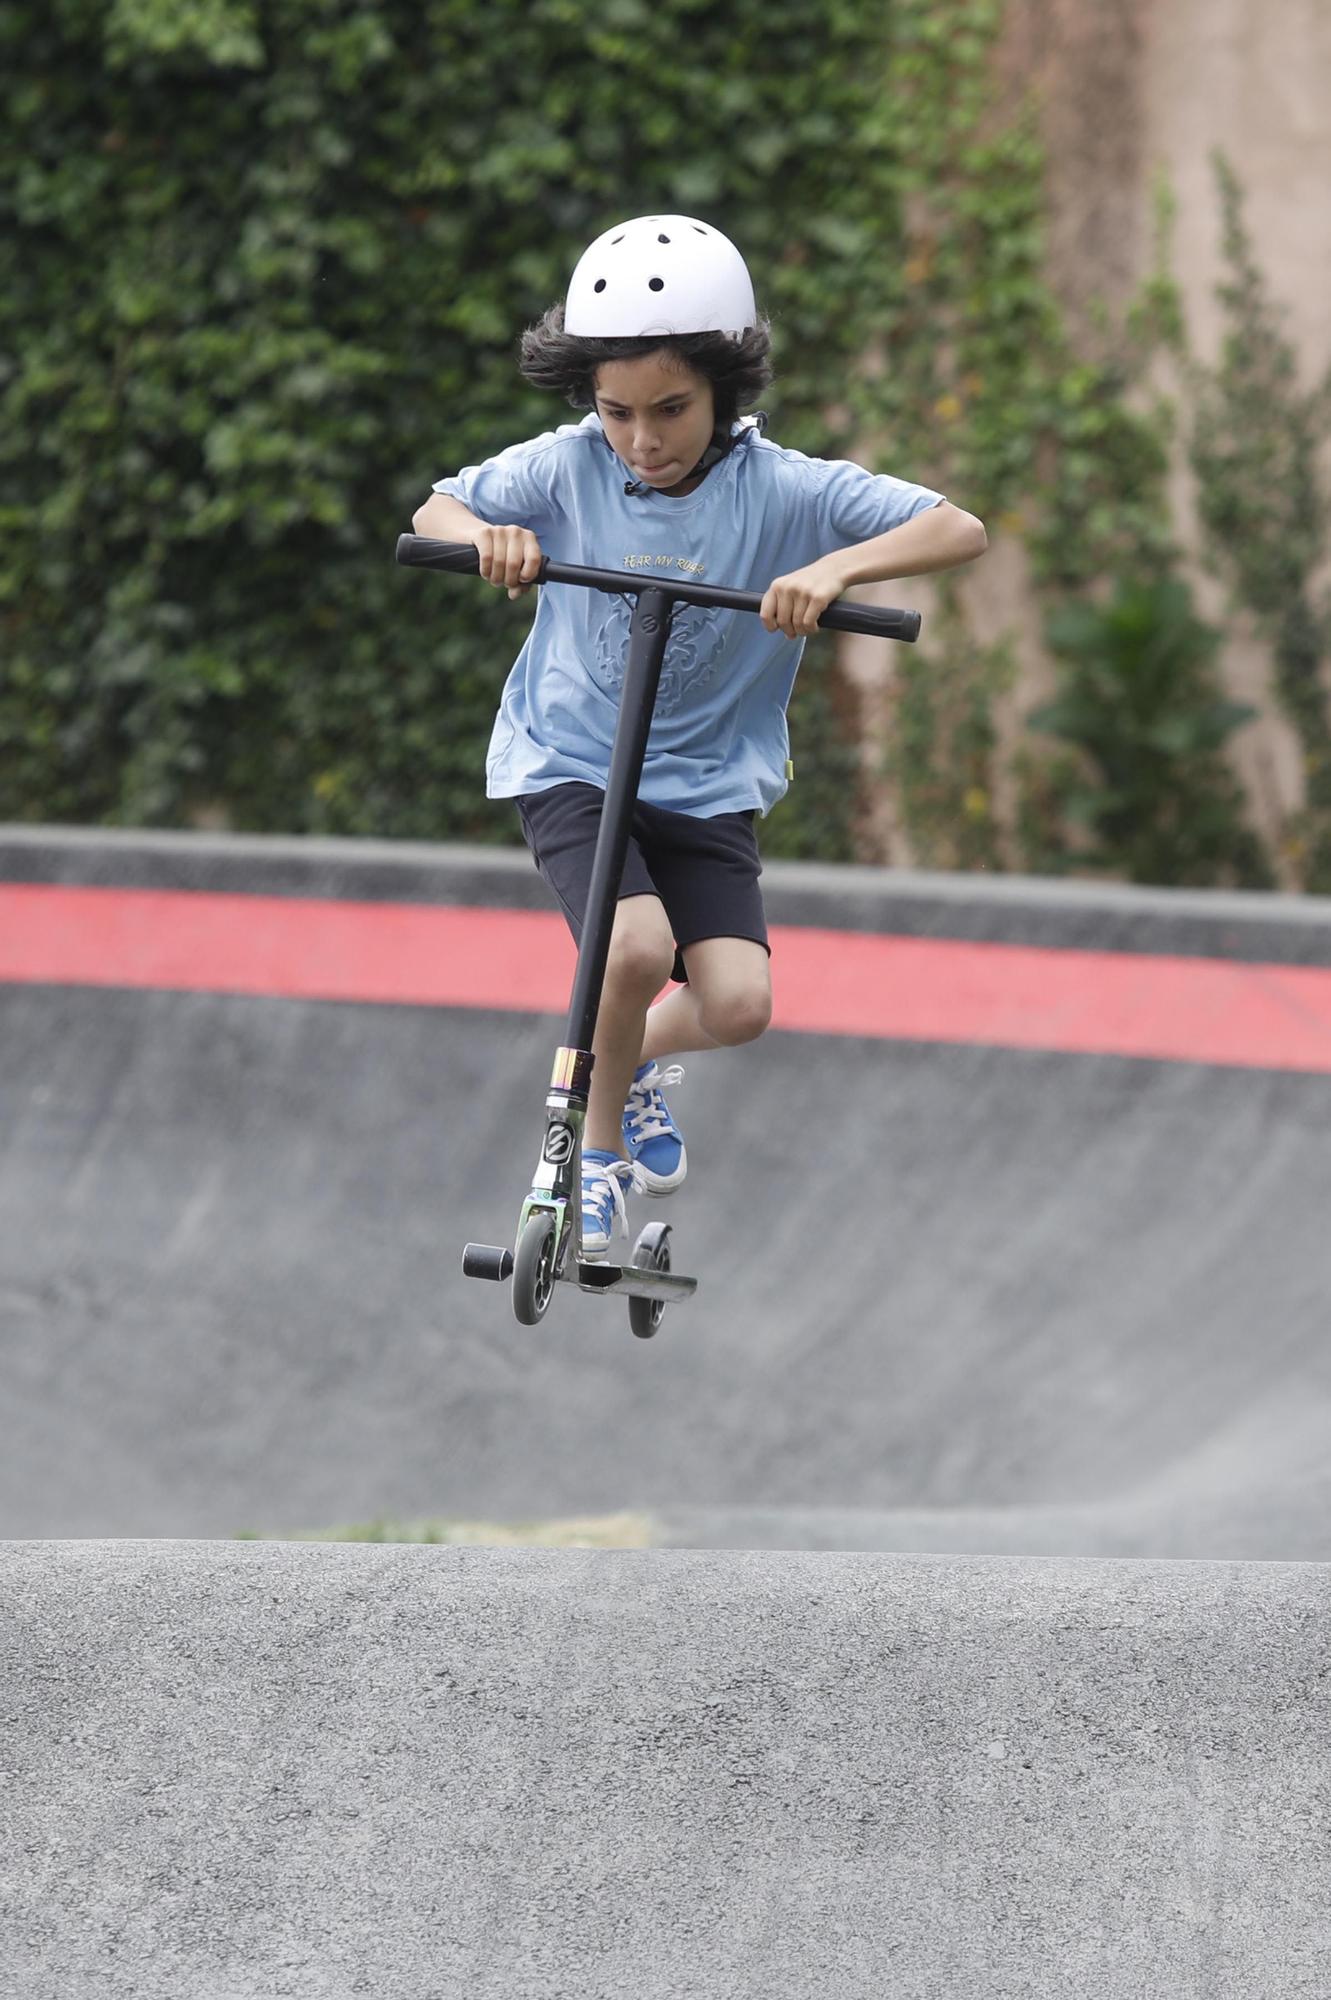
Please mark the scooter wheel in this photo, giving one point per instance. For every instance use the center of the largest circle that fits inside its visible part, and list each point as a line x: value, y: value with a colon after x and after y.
x: 651, y: 1252
x: 534, y: 1269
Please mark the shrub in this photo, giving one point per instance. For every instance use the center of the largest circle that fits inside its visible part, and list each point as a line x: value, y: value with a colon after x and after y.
x: 1139, y: 700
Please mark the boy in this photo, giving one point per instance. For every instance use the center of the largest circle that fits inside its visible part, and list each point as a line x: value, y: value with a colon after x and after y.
x: 660, y: 340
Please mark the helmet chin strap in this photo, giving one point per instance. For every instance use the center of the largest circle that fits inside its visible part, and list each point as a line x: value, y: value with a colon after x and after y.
x: 724, y: 442
x: 715, y: 452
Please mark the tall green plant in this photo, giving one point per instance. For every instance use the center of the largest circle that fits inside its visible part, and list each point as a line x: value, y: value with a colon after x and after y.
x: 979, y: 379
x: 1256, y: 447
x: 1152, y: 796
x: 816, y: 819
x: 944, y: 752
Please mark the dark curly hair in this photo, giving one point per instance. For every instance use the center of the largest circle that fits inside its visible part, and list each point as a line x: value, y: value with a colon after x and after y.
x: 738, y: 367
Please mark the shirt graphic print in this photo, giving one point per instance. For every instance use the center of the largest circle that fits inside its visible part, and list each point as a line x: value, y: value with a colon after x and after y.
x: 693, y: 651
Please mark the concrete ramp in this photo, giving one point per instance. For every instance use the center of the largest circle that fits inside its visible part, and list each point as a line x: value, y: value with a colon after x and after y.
x: 955, y: 1299
x: 239, y: 1772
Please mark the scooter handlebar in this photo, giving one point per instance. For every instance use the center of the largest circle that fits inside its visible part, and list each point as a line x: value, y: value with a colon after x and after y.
x: 461, y: 558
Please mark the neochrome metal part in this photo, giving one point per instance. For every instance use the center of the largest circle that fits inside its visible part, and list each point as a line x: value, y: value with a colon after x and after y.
x: 573, y: 1072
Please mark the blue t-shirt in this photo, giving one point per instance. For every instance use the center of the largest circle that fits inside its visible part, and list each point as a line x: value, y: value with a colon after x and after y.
x: 718, y: 739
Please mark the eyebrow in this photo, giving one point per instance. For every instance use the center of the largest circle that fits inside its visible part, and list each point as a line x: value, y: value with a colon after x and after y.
x: 675, y: 396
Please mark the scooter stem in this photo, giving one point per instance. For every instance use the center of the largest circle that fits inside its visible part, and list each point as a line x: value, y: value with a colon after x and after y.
x: 648, y: 636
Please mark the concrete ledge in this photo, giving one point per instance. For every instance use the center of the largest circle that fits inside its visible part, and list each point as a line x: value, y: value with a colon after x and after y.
x: 237, y: 1769
x: 1012, y: 909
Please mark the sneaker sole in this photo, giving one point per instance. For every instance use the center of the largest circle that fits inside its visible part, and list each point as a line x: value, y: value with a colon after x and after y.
x: 658, y: 1184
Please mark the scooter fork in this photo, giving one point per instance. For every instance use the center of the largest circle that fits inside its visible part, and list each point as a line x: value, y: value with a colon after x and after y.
x: 556, y: 1185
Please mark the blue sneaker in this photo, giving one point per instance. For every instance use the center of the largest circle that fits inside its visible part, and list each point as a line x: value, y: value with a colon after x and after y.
x: 652, y: 1139
x: 604, y: 1176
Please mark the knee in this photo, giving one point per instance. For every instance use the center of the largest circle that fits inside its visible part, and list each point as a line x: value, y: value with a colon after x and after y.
x: 639, y: 964
x: 739, y: 1014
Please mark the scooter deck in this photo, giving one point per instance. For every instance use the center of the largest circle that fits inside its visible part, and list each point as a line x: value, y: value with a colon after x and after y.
x: 631, y: 1281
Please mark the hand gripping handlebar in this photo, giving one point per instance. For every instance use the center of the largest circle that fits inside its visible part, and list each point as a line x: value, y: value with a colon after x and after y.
x: 421, y: 552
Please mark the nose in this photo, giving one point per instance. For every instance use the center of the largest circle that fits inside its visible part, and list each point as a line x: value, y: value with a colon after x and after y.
x: 644, y: 442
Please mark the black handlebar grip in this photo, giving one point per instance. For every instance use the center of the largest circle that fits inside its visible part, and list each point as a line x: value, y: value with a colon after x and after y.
x: 876, y: 620
x: 423, y: 552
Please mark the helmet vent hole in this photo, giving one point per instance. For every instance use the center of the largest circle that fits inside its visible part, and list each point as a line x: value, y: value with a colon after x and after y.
x: 698, y: 231
x: 616, y: 239
x: 663, y: 239
x: 599, y: 286
x: 656, y: 284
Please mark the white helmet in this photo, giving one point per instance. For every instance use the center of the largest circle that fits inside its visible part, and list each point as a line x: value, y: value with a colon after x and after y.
x: 659, y: 274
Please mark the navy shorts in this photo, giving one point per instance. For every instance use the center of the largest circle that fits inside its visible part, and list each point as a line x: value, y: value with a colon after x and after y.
x: 705, y: 871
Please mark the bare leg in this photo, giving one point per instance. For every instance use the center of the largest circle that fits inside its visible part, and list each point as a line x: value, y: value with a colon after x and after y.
x: 673, y: 1027
x: 728, y: 1000
x: 642, y: 951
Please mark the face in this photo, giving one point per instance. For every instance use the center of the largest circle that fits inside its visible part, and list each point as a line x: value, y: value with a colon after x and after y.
x: 658, y: 414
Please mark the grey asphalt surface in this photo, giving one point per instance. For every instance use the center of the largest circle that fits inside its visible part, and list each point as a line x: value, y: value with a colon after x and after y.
x: 248, y: 1772
x: 885, y: 1712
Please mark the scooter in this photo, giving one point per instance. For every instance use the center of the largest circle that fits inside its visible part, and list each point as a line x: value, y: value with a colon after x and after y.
x: 548, y: 1248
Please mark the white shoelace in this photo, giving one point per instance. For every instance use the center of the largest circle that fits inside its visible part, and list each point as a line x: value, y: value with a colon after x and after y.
x: 614, y: 1173
x: 645, y: 1112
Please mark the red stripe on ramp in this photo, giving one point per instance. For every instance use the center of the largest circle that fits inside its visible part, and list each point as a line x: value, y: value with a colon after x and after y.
x: 1024, y: 997
x: 827, y: 982
x: 416, y: 954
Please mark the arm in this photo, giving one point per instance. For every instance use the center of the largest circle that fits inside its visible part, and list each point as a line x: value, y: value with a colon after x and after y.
x: 939, y: 538
x: 510, y: 557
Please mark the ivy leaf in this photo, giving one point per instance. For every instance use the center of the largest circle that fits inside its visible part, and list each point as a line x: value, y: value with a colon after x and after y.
x: 224, y: 32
